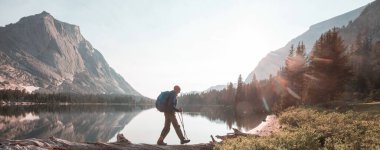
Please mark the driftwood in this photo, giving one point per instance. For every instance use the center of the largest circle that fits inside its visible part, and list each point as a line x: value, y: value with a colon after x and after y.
x: 236, y: 133
x: 121, y: 144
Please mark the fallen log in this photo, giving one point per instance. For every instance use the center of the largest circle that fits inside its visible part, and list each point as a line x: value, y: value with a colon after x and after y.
x: 236, y: 134
x: 121, y: 144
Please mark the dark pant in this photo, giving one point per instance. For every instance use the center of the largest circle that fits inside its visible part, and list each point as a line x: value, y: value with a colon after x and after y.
x: 170, y: 118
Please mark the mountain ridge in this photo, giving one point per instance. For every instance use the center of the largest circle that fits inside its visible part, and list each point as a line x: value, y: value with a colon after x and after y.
x: 44, y: 52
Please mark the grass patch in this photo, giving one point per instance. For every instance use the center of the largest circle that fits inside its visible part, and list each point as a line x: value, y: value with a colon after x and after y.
x: 317, y: 128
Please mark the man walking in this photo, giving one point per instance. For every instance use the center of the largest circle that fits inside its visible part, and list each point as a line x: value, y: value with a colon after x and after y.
x: 170, y: 118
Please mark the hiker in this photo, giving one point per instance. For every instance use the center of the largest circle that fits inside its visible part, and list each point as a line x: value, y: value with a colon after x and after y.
x: 169, y: 103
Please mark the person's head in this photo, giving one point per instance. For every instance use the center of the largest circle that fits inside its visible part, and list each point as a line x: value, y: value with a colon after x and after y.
x: 177, y: 89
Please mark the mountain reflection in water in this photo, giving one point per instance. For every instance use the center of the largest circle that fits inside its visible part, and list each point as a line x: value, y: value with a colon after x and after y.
x: 71, y: 122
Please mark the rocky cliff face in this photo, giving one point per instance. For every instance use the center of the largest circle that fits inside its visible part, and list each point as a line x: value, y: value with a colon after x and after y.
x: 271, y: 63
x: 41, y: 52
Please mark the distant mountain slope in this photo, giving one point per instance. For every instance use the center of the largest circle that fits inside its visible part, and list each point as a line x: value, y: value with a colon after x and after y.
x: 219, y: 87
x: 367, y: 24
x: 271, y: 63
x: 365, y: 58
x: 43, y: 53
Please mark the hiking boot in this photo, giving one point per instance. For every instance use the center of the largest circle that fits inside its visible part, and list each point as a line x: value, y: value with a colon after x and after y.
x: 161, y: 143
x: 185, y: 141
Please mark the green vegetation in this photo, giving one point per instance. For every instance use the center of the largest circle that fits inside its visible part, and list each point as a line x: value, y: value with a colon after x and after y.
x: 317, y: 128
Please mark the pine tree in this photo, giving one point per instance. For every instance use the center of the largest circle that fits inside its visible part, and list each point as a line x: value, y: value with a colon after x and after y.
x: 329, y: 70
x: 298, y: 82
x: 239, y: 91
x: 230, y: 93
x: 361, y: 62
x: 292, y: 74
x: 286, y: 71
x: 291, y: 51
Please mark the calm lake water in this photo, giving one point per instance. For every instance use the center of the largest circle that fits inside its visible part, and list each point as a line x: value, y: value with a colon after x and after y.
x: 139, y: 124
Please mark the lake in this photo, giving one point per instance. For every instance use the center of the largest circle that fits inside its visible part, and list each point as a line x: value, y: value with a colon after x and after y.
x: 139, y: 124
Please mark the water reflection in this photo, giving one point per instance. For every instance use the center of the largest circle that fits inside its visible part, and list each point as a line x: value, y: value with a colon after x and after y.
x: 199, y: 124
x: 73, y: 122
x: 240, y: 120
x: 140, y: 124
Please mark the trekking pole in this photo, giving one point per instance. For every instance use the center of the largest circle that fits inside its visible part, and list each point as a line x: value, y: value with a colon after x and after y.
x: 183, y: 124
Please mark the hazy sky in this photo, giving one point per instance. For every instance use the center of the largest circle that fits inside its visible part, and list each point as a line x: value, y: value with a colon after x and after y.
x: 155, y: 44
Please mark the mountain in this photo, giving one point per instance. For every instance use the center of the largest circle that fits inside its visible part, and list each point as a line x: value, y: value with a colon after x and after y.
x: 44, y: 54
x: 212, y: 88
x: 272, y: 62
x: 216, y: 87
x: 366, y: 57
x: 219, y: 87
x: 367, y: 24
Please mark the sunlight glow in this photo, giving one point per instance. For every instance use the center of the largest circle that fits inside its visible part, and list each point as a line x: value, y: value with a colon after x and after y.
x: 265, y: 103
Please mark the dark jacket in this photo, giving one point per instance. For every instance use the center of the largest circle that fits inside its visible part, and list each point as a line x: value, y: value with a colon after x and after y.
x: 172, y: 102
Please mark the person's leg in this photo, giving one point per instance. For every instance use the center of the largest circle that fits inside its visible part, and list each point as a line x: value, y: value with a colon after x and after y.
x: 177, y: 129
x: 165, y: 130
x: 176, y: 126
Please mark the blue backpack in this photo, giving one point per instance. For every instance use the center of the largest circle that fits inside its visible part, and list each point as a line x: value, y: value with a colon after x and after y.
x: 162, y: 101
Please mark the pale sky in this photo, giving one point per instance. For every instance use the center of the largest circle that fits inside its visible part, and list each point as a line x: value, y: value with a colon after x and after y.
x: 155, y: 44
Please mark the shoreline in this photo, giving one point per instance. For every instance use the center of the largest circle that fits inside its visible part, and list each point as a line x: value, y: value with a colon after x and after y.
x: 267, y: 127
x: 121, y: 144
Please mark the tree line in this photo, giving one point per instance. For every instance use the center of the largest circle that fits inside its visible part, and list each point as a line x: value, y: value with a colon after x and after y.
x: 16, y: 111
x: 14, y: 96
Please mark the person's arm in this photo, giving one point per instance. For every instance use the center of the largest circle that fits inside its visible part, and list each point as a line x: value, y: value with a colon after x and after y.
x: 173, y: 103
